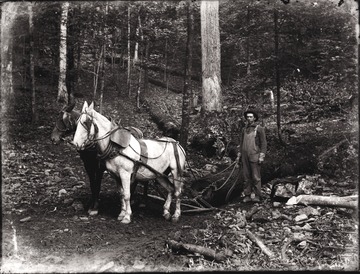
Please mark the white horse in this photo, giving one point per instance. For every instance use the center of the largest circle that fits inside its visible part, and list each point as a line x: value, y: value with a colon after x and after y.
x: 125, y: 158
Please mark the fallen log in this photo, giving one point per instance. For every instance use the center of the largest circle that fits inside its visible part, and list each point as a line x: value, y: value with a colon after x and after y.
x: 260, y: 244
x: 208, y: 253
x: 165, y: 123
x: 164, y: 85
x: 347, y: 201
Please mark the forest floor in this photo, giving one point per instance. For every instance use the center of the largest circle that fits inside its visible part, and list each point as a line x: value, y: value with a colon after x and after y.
x: 45, y: 226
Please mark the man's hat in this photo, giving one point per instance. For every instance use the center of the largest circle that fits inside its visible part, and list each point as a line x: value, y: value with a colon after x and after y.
x: 253, y: 112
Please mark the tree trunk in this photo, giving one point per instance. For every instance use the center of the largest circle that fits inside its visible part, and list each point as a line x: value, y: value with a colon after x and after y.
x: 166, y: 60
x: 34, y: 117
x: 248, y: 71
x: 62, y: 90
x: 184, y: 132
x: 136, y: 50
x: 129, y: 55
x: 146, y: 70
x: 9, y: 12
x: 102, y: 78
x: 103, y: 49
x: 277, y: 74
x: 210, y: 49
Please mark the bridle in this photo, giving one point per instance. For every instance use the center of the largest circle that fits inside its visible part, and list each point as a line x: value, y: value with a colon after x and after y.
x: 91, y: 140
x: 63, y: 127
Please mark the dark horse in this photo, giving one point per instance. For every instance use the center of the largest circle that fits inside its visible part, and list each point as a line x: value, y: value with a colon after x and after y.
x: 65, y: 125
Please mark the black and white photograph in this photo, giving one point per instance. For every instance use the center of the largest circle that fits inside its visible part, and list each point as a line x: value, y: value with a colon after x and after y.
x: 179, y: 136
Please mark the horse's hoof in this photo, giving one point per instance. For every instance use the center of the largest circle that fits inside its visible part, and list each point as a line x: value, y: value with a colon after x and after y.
x: 126, y: 221
x: 93, y: 212
x: 167, y: 216
x: 120, y: 218
x: 174, y: 219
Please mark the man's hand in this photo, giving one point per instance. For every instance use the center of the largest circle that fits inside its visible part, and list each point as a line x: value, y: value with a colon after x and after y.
x: 261, y: 158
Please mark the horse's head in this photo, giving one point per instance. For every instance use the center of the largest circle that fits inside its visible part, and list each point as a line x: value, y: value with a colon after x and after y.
x: 86, y: 129
x: 65, y: 123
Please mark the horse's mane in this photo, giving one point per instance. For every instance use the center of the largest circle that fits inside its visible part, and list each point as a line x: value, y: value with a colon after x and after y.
x: 100, y: 118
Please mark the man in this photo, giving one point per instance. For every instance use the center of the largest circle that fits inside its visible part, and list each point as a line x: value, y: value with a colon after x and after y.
x: 251, y: 150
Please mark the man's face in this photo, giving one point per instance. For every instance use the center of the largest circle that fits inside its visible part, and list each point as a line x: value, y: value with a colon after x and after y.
x: 250, y: 118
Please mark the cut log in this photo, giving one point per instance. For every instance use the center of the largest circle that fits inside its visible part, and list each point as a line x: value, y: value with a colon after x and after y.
x: 208, y: 253
x: 348, y: 201
x: 166, y: 124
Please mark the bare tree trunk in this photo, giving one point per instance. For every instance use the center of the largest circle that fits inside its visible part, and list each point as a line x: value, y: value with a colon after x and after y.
x: 166, y: 60
x: 146, y: 70
x: 187, y: 78
x: 9, y: 12
x: 210, y: 49
x: 103, y: 49
x: 102, y: 78
x: 62, y: 90
x: 34, y: 116
x: 129, y: 55
x: 248, y: 71
x: 277, y: 74
x: 136, y: 50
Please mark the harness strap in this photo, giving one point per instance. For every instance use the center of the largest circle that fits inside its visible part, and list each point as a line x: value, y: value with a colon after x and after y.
x: 256, y: 130
x: 138, y: 163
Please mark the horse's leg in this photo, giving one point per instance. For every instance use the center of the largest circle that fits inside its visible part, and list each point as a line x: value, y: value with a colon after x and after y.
x: 90, y: 164
x: 95, y: 189
x: 167, y: 203
x: 177, y: 192
x: 126, y: 207
x: 123, y: 205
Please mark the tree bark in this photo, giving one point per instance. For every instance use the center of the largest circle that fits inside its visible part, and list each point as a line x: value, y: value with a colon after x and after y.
x: 129, y: 54
x: 8, y: 14
x: 34, y: 117
x: 62, y: 90
x: 210, y: 49
x: 165, y: 123
x: 277, y: 74
x: 184, y: 132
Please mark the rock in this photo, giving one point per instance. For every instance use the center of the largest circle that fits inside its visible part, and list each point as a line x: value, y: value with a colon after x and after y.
x: 309, y: 211
x: 68, y: 201
x: 300, y: 217
x: 260, y: 217
x: 62, y: 192
x: 276, y: 204
x: 78, y: 206
x: 276, y: 214
x: 302, y: 245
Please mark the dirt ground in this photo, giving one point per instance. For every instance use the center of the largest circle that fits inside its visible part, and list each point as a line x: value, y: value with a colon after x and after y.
x: 45, y: 226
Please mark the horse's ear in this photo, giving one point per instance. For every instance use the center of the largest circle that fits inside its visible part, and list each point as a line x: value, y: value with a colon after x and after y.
x: 91, y: 105
x: 85, y: 106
